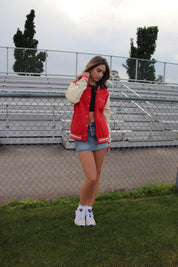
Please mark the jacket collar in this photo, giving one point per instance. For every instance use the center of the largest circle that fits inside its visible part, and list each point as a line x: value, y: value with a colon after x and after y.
x: 99, y: 87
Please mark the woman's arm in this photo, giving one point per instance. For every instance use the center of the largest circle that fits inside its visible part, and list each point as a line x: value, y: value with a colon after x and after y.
x: 75, y: 90
x: 106, y: 113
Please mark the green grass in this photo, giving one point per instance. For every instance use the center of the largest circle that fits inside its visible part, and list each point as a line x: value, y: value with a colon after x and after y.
x: 135, y: 228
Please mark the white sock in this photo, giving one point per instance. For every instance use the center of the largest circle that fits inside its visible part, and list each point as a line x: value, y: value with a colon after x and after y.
x: 89, y: 207
x: 80, y: 207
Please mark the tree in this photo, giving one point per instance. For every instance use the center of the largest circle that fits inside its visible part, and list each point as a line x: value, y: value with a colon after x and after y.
x: 27, y: 60
x: 146, y: 45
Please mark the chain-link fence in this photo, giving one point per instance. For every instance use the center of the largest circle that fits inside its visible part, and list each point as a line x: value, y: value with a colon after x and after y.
x: 38, y: 160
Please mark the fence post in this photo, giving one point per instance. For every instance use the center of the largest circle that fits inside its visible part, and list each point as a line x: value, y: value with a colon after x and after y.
x: 164, y: 72
x: 136, y: 69
x: 46, y: 65
x: 176, y: 187
x: 110, y: 62
x: 7, y: 60
x: 76, y: 66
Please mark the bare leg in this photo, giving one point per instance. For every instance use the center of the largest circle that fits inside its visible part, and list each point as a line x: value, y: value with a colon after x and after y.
x: 87, y: 160
x: 91, y: 163
x: 99, y: 157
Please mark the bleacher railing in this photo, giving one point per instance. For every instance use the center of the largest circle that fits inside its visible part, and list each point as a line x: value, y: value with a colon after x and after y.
x: 70, y: 63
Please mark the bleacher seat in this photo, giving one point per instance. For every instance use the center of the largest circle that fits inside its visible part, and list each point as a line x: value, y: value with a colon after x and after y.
x: 47, y: 120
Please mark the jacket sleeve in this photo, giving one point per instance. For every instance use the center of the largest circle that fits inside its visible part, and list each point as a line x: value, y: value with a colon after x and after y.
x: 75, y: 90
x: 106, y: 113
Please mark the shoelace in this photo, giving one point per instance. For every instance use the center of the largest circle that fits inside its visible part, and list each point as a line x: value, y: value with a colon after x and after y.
x: 81, y: 214
x: 90, y: 213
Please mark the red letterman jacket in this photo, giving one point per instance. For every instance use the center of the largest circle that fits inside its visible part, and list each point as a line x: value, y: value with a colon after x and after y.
x: 79, y: 125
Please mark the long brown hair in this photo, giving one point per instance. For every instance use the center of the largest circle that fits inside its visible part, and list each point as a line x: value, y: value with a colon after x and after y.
x: 94, y: 62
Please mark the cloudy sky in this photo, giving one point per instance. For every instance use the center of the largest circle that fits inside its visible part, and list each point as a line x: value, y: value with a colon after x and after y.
x: 96, y: 26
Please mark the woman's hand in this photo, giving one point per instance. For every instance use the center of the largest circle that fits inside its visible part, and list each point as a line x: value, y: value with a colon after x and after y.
x: 86, y: 73
x: 108, y: 149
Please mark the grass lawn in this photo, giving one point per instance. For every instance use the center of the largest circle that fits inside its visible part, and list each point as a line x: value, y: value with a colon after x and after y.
x: 129, y: 232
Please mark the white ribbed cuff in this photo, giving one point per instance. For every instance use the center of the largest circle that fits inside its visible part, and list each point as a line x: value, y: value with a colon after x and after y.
x: 86, y: 78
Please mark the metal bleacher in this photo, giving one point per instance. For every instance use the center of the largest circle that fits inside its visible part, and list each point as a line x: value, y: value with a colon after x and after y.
x: 36, y: 118
x: 33, y: 84
x: 145, y: 123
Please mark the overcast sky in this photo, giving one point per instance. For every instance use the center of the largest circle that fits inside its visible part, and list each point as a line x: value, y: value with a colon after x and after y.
x: 97, y: 26
x: 92, y: 26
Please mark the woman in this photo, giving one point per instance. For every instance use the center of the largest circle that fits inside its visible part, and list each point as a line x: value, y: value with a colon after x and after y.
x: 90, y: 130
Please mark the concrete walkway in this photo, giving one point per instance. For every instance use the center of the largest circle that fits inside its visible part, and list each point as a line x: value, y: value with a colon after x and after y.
x: 50, y: 171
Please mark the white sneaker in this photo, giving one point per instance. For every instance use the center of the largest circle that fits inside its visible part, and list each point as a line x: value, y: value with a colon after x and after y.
x: 90, y: 221
x: 79, y: 217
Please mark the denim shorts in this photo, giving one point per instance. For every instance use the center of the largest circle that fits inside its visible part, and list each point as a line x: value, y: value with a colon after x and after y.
x: 91, y: 143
